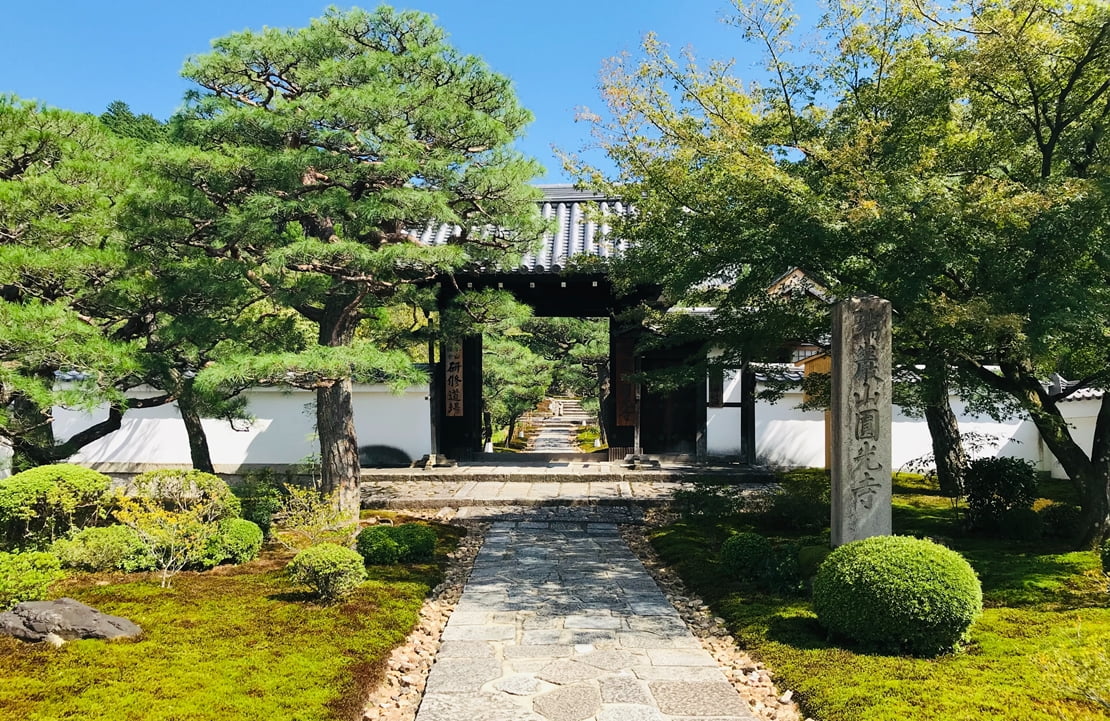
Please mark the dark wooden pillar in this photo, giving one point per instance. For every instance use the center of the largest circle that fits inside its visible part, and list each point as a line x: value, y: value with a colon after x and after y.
x: 747, y: 415
x: 460, y: 399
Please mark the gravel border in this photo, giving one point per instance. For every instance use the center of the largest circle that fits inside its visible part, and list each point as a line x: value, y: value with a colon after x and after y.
x: 754, y: 681
x: 397, y: 697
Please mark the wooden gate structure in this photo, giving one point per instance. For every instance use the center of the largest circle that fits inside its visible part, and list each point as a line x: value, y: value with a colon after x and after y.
x: 555, y: 283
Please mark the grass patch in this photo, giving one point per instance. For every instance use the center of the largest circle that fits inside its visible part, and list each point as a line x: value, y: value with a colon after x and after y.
x: 233, y: 643
x: 1044, y: 603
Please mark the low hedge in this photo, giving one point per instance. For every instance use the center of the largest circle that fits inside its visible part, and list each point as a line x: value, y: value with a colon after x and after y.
x: 407, y: 543
x: 41, y: 504
x: 27, y: 576
x: 105, y: 548
x: 898, y: 594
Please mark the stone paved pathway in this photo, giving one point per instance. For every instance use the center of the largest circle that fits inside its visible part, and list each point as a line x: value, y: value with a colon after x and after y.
x: 559, y: 621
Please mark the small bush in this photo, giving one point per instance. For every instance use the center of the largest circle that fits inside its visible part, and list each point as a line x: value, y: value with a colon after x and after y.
x: 810, y: 559
x: 105, y: 548
x: 236, y: 540
x: 898, y: 594
x: 1061, y: 520
x: 176, y: 515
x: 260, y: 496
x: 307, y: 517
x: 780, y: 572
x: 330, y: 570
x: 994, y: 486
x: 1021, y: 524
x: 43, y: 503
x: 801, y: 502
x: 205, y: 496
x: 744, y: 554
x: 376, y: 546
x: 416, y: 541
x: 27, y: 576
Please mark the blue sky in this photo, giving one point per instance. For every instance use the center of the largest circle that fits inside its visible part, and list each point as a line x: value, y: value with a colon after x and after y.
x: 83, y: 54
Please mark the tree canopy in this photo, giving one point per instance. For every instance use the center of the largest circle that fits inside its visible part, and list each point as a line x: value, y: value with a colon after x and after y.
x: 307, y: 158
x: 950, y: 158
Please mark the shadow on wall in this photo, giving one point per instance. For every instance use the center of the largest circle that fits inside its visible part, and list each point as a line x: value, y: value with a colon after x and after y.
x: 383, y: 457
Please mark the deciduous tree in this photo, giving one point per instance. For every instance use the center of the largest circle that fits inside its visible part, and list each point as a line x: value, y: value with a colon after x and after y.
x: 949, y: 158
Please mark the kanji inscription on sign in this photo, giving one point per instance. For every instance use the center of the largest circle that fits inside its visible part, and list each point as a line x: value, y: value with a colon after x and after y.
x: 453, y: 381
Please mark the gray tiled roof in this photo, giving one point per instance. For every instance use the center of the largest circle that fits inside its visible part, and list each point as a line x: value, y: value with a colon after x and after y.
x: 1085, y: 394
x: 580, y: 229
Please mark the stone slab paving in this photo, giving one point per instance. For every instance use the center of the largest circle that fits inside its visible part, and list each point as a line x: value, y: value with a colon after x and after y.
x: 559, y: 621
x: 409, y: 491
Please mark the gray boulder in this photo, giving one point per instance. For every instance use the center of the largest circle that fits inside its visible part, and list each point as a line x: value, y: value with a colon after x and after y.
x: 64, y: 619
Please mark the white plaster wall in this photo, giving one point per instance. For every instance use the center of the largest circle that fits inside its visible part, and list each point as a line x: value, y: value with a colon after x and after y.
x: 1081, y: 417
x: 5, y: 460
x: 723, y: 424
x: 787, y: 436
x: 282, y: 432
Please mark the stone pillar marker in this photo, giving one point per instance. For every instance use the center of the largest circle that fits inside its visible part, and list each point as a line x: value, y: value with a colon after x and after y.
x: 861, y: 414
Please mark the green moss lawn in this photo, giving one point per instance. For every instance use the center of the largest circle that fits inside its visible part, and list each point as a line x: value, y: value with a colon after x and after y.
x: 1045, y: 607
x: 233, y: 643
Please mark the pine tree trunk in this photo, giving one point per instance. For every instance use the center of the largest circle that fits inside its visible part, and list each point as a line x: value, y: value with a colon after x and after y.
x: 194, y: 429
x: 512, y: 430
x: 335, y: 416
x: 944, y: 430
x: 339, y: 464
x: 602, y: 394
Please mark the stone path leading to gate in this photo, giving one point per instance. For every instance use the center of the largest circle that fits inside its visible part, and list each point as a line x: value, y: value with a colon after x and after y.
x: 559, y: 621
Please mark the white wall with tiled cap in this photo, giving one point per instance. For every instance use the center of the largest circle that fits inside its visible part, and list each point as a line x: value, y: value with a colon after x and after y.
x: 787, y: 436
x: 281, y: 433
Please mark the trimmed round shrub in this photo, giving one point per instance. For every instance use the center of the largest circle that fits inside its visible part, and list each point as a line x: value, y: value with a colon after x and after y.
x: 416, y: 541
x: 43, y: 503
x: 376, y: 546
x: 1061, y: 520
x: 236, y: 540
x: 994, y: 486
x: 898, y: 594
x: 105, y: 548
x: 330, y: 570
x: 743, y: 555
x: 1021, y: 524
x: 206, y: 495
x: 27, y: 576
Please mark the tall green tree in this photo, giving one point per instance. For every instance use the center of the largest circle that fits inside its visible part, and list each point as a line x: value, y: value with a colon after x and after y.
x: 307, y: 158
x: 579, y: 350
x: 61, y: 176
x: 949, y: 158
x: 514, y: 381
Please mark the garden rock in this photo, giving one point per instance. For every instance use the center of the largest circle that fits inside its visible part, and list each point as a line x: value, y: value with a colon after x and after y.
x: 64, y: 619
